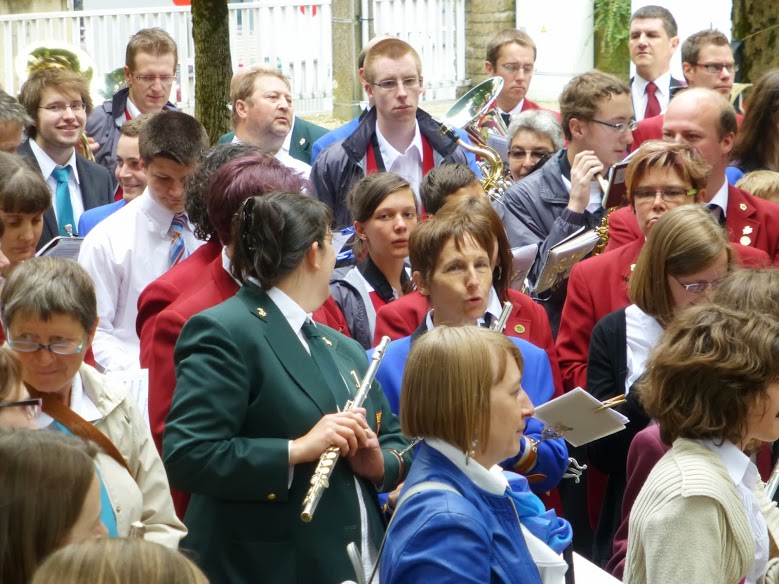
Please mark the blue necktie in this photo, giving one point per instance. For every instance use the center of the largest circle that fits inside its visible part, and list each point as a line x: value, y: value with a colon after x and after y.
x: 178, y: 249
x: 64, y: 206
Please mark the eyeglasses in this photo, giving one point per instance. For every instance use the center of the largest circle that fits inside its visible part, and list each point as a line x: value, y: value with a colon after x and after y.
x: 669, y: 195
x: 58, y: 108
x: 533, y: 155
x: 718, y: 67
x: 631, y: 125
x: 515, y: 68
x: 150, y: 79
x: 32, y: 407
x: 699, y: 287
x: 56, y: 348
x: 392, y: 84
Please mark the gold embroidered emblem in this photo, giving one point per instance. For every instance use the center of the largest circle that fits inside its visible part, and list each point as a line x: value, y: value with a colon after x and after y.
x: 261, y: 312
x: 327, y: 341
x: 743, y: 206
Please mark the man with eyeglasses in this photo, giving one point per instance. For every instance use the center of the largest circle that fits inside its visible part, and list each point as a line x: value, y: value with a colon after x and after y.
x: 707, y: 61
x: 149, y: 72
x: 394, y: 136
x: 511, y: 54
x: 564, y: 196
x: 58, y: 101
x: 704, y: 119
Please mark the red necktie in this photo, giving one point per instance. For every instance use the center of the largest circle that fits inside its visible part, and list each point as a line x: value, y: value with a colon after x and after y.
x: 652, y: 105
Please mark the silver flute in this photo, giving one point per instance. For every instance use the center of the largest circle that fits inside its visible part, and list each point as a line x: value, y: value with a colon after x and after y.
x: 500, y: 324
x: 773, y: 482
x: 324, y: 470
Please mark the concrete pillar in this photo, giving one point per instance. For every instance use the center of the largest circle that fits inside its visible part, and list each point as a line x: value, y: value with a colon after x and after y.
x: 347, y: 43
x: 484, y: 18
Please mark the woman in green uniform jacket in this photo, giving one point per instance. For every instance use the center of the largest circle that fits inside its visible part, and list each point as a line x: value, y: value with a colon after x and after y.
x: 258, y: 399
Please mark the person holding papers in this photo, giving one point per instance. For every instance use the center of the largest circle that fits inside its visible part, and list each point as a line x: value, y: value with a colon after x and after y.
x: 703, y: 515
x: 49, y: 310
x: 686, y: 256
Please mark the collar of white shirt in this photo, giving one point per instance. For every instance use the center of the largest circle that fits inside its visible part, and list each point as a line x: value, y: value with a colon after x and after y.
x: 490, y: 480
x: 79, y: 403
x: 663, y: 84
x: 159, y: 216
x: 227, y: 265
x: 48, y: 165
x: 721, y: 199
x: 517, y: 109
x: 388, y: 153
x: 735, y: 461
x: 290, y: 309
x: 285, y: 158
x: 131, y: 107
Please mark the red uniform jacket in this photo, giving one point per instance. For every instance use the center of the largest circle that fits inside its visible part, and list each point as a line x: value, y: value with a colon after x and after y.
x: 527, y: 321
x: 751, y: 222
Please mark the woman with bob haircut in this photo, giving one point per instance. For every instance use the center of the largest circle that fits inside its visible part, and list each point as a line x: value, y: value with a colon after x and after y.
x: 452, y: 267
x: 24, y: 198
x: 686, y: 255
x: 118, y: 561
x: 49, y: 312
x: 259, y: 397
x: 460, y: 519
x: 533, y: 136
x: 51, y: 498
x: 702, y: 516
x: 385, y: 214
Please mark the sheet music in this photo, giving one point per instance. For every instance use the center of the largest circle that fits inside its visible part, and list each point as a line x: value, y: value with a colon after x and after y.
x: 136, y: 383
x: 62, y: 247
x: 522, y: 261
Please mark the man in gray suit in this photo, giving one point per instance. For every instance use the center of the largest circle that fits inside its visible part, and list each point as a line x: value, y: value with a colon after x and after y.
x: 58, y: 101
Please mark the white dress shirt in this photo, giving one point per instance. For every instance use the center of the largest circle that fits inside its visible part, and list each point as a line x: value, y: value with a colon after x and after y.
x: 744, y: 474
x: 407, y: 164
x: 79, y: 403
x: 638, y: 93
x: 285, y: 158
x: 721, y: 199
x: 74, y: 184
x: 642, y: 332
x: 123, y: 254
x: 516, y: 110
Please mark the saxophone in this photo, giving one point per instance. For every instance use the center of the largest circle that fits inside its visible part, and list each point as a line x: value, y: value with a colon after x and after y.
x: 324, y: 469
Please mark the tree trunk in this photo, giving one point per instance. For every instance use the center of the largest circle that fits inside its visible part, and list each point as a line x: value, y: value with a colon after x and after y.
x: 213, y: 69
x: 761, y: 19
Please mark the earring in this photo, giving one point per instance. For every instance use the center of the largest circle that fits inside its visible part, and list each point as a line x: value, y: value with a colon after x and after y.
x: 499, y: 270
x: 472, y: 452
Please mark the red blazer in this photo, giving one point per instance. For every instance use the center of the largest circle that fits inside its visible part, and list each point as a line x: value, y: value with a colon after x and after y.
x: 180, y: 279
x: 527, y: 321
x: 161, y: 333
x: 530, y: 105
x: 652, y: 129
x: 598, y: 286
x: 750, y: 221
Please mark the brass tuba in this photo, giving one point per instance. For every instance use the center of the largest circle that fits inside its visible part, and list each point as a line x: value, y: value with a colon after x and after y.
x: 61, y: 56
x: 476, y: 112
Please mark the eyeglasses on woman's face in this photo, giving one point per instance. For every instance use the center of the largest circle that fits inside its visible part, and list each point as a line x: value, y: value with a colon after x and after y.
x: 30, y: 407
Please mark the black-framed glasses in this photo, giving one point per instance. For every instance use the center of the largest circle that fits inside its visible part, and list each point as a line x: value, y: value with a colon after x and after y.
x: 393, y: 84
x: 32, y: 407
x: 149, y: 79
x: 716, y: 68
x: 631, y: 125
x: 669, y: 194
x: 699, y: 287
x: 58, y: 108
x: 56, y: 348
x: 534, y: 155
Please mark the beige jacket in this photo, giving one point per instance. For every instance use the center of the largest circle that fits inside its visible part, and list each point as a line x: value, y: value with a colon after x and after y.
x: 145, y: 496
x: 688, y: 523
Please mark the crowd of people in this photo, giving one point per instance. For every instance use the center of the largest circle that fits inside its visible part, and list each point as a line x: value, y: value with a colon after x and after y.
x: 245, y: 287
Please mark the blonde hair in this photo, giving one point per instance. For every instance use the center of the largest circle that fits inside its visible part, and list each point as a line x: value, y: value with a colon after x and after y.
x: 750, y: 289
x: 659, y: 154
x: 447, y: 381
x: 118, y: 561
x: 684, y: 240
x: 761, y: 183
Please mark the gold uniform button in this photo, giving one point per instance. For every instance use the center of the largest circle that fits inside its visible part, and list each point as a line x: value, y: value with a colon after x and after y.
x: 519, y: 329
x: 272, y: 497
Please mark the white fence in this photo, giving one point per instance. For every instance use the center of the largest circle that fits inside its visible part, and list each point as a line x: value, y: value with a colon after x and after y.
x: 295, y: 36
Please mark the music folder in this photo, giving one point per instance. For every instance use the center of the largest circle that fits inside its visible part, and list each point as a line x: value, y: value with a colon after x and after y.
x: 62, y: 247
x: 522, y: 259
x: 561, y: 258
x: 616, y: 194
x: 580, y: 418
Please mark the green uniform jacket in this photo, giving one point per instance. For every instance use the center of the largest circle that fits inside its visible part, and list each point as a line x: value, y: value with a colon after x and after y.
x: 245, y: 388
x: 304, y: 134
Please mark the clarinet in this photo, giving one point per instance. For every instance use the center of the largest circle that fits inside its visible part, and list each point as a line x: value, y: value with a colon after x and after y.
x: 499, y: 324
x: 324, y: 470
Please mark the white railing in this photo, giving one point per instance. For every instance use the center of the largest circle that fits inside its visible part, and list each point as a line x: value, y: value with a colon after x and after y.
x: 295, y: 36
x: 268, y: 31
x: 436, y: 29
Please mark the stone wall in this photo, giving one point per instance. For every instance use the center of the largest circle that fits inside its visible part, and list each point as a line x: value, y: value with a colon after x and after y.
x: 23, y: 6
x: 483, y: 18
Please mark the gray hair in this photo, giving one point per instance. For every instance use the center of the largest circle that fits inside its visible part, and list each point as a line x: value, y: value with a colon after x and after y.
x: 539, y: 121
x: 44, y: 287
x: 12, y: 111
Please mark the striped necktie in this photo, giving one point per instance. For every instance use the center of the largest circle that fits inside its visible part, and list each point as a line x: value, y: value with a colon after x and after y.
x: 178, y: 249
x: 65, y: 220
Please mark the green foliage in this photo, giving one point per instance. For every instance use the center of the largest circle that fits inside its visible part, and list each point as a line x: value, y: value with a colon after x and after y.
x: 612, y: 18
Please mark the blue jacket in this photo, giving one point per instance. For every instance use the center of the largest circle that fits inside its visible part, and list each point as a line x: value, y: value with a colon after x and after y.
x: 92, y: 217
x: 442, y: 537
x: 536, y: 380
